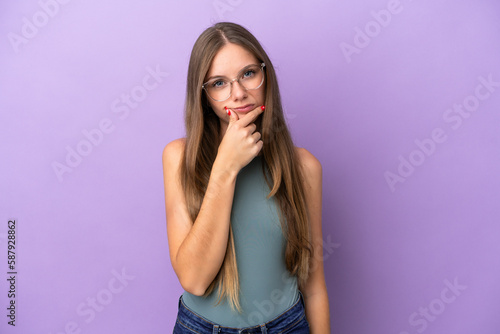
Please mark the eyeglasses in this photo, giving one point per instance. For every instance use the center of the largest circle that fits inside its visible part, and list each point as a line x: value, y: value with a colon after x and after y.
x: 250, y: 77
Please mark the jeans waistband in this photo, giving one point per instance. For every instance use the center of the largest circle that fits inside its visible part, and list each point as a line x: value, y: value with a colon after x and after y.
x: 284, y: 320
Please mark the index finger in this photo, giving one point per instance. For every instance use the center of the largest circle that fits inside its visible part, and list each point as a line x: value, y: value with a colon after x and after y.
x: 251, y: 116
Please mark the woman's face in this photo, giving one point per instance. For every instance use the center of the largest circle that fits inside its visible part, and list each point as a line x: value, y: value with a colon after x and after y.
x: 228, y: 63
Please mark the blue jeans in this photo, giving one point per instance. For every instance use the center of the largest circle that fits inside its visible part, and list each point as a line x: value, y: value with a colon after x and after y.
x: 292, y: 320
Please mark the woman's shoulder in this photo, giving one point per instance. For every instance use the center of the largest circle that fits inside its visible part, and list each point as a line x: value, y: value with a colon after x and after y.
x: 309, y: 163
x: 175, y: 145
x: 173, y: 150
x: 306, y: 158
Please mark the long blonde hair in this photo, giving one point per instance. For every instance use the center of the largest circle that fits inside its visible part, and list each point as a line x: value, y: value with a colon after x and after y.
x: 202, y: 140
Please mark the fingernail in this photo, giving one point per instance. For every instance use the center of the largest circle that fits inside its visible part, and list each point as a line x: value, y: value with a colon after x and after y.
x: 263, y: 107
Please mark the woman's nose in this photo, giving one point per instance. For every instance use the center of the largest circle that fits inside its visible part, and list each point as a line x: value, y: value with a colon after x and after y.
x: 239, y: 91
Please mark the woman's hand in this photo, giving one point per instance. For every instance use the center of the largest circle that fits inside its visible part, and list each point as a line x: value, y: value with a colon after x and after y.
x: 241, y: 143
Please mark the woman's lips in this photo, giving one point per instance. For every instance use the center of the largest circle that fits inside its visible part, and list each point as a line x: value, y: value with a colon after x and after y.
x: 245, y: 108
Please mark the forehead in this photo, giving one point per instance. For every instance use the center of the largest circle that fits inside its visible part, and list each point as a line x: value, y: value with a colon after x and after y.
x: 230, y: 60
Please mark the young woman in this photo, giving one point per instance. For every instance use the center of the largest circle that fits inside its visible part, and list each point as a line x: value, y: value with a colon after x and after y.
x: 243, y: 204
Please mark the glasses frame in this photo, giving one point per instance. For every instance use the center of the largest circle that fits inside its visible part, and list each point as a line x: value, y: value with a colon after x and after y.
x: 262, y: 65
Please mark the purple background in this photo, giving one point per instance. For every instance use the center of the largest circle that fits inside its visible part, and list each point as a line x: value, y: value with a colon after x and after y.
x: 390, y: 253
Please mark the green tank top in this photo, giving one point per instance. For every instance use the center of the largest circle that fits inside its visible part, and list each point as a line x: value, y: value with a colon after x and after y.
x: 266, y: 287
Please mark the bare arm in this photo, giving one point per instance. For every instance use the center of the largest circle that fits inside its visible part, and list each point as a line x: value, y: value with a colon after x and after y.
x: 314, y: 290
x: 197, y: 250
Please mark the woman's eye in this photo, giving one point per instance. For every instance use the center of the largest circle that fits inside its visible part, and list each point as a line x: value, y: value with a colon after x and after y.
x: 249, y: 74
x: 218, y: 84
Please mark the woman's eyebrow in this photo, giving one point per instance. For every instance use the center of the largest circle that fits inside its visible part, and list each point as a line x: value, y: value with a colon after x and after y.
x: 223, y: 76
x: 215, y: 77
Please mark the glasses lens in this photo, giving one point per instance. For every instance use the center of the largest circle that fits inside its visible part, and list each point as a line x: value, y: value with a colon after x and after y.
x: 252, y: 77
x: 218, y: 89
